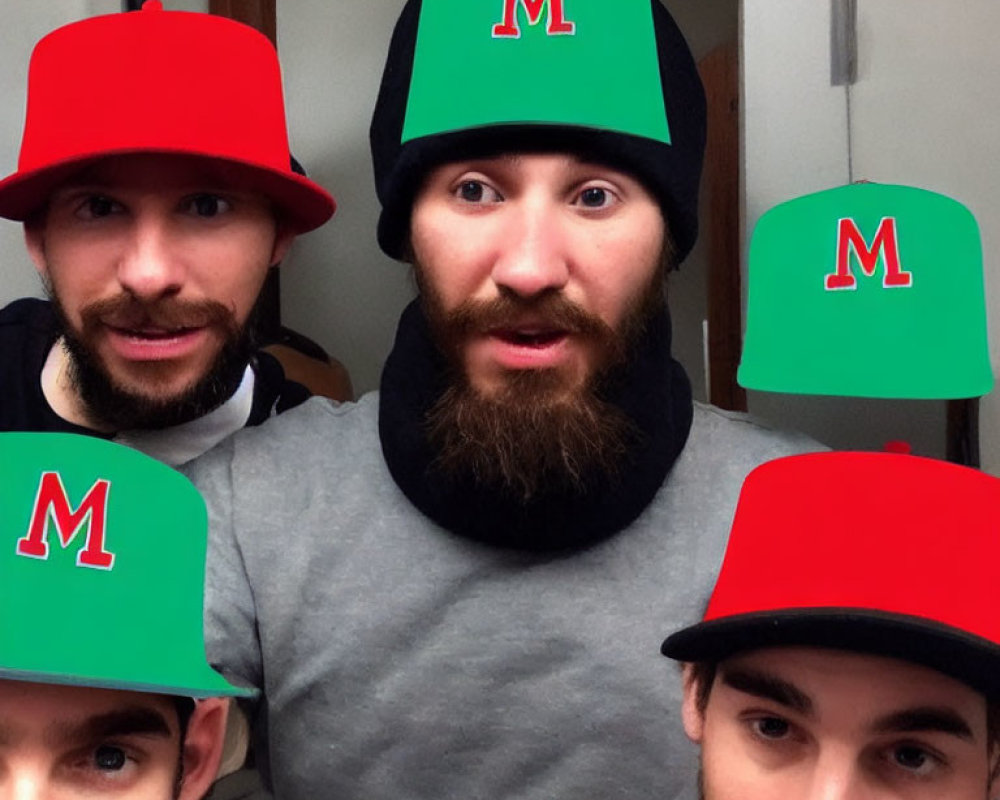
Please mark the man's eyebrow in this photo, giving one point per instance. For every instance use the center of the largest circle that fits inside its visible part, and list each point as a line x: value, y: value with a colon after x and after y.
x: 925, y: 719
x: 767, y: 686
x: 120, y: 722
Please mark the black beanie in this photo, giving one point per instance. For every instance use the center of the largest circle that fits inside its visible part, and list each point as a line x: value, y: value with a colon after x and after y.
x: 672, y: 172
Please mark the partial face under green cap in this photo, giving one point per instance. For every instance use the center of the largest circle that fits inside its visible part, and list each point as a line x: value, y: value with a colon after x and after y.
x: 867, y: 290
x: 102, y: 564
x: 586, y: 63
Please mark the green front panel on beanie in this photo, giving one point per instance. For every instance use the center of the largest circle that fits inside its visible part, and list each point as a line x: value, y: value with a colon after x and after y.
x: 590, y: 63
x: 102, y: 554
x: 867, y: 290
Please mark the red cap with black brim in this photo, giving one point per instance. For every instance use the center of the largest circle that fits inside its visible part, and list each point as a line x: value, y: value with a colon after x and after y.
x: 880, y: 553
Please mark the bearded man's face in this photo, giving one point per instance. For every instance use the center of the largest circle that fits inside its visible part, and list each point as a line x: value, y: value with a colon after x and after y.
x: 537, y: 273
x: 155, y: 263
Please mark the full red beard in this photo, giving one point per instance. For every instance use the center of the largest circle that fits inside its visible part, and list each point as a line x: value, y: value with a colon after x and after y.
x: 124, y: 408
x: 539, y: 431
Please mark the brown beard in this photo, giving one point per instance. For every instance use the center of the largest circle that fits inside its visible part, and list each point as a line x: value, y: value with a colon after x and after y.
x: 526, y: 436
x: 123, y: 408
x: 536, y: 432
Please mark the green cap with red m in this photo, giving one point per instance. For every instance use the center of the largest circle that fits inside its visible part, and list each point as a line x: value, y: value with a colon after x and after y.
x: 867, y: 290
x: 102, y: 565
x: 531, y: 61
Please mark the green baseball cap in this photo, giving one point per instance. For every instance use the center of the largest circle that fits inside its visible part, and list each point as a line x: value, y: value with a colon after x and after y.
x: 867, y: 290
x: 102, y: 569
x: 529, y: 62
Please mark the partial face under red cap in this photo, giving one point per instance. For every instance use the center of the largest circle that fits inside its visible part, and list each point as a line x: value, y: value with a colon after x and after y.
x: 813, y: 724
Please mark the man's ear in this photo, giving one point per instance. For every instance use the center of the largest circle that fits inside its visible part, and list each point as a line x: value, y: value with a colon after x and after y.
x: 202, y: 748
x: 283, y: 238
x: 691, y: 714
x: 34, y: 241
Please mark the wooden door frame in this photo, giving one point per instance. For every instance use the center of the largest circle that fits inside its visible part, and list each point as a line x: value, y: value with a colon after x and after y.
x: 722, y: 227
x: 262, y: 15
x: 259, y: 14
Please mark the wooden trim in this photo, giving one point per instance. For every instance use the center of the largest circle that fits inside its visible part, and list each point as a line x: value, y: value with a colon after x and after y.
x: 259, y: 14
x: 720, y: 74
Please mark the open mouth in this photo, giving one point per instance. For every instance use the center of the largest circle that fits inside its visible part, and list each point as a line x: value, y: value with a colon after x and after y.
x: 529, y: 338
x: 152, y: 334
x: 146, y: 342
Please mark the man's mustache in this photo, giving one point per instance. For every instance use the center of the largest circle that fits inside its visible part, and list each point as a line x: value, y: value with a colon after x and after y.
x: 129, y: 312
x: 553, y: 311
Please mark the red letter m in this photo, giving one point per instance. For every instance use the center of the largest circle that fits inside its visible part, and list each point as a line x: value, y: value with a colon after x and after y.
x: 51, y: 498
x: 557, y: 24
x: 885, y: 242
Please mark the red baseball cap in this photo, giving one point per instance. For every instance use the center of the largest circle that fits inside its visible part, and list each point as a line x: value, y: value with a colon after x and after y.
x: 158, y: 81
x: 881, y: 553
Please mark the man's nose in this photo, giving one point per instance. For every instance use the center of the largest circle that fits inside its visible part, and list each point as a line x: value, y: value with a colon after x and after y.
x: 533, y: 255
x: 150, y: 265
x: 25, y: 785
x: 838, y: 777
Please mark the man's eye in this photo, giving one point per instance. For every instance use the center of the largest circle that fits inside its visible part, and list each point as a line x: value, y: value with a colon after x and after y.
x: 596, y: 197
x: 98, y: 206
x: 101, y: 767
x: 477, y: 192
x: 771, y: 727
x: 207, y: 205
x: 108, y: 758
x: 913, y: 758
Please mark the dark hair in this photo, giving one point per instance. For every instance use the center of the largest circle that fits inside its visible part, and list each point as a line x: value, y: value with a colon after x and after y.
x: 35, y: 221
x: 702, y: 675
x: 185, y: 708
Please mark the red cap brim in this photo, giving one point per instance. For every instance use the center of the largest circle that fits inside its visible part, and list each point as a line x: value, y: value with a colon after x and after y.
x: 304, y: 205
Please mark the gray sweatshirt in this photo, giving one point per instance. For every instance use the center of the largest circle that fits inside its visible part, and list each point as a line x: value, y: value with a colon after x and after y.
x: 398, y: 660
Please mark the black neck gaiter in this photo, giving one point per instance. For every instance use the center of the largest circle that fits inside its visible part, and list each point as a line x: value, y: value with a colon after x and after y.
x: 652, y: 389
